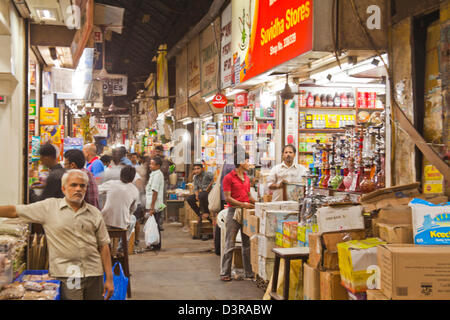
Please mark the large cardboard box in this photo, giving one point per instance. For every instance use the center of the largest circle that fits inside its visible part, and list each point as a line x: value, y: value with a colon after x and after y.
x: 323, y: 247
x: 254, y: 248
x: 268, y: 222
x: 331, y: 287
x: 245, y: 221
x: 396, y: 233
x: 265, y: 246
x: 412, y: 272
x: 311, y: 279
x: 253, y: 225
x: 340, y: 218
x: 375, y: 295
x: 395, y: 215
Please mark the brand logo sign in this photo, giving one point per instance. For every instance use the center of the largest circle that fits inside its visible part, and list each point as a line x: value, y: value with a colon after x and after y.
x: 219, y: 101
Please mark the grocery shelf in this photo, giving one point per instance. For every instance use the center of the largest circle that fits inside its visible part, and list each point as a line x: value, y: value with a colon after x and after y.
x: 306, y: 152
x: 327, y: 108
x: 321, y: 130
x: 262, y: 118
x: 371, y: 109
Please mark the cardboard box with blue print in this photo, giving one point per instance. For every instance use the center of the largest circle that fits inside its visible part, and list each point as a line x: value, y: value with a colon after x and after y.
x: 246, y: 214
x: 269, y: 220
x: 431, y: 222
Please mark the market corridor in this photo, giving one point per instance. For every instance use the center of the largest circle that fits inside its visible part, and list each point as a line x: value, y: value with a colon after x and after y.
x: 184, y: 269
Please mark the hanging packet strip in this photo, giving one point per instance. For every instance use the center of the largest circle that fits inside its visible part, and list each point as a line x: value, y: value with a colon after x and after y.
x: 431, y: 222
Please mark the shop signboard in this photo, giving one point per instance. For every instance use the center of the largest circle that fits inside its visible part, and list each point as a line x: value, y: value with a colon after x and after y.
x: 49, y: 116
x: 83, y: 34
x: 98, y: 49
x: 209, y: 57
x: 219, y: 101
x: 225, y: 53
x: 62, y: 80
x: 268, y: 33
x: 162, y: 79
x: 102, y: 130
x: 181, y: 79
x: 194, y: 66
x: 116, y: 86
x: 199, y: 104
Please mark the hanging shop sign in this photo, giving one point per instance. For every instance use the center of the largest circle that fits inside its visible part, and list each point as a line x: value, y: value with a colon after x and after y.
x: 241, y: 100
x: 116, y: 86
x: 291, y: 123
x: 83, y: 34
x: 162, y: 83
x: 51, y: 134
x: 194, y: 66
x: 49, y: 116
x: 219, y: 101
x: 181, y: 108
x: 98, y: 49
x: 268, y: 33
x: 62, y: 80
x: 226, y: 55
x: 102, y: 130
x: 209, y: 57
x: 199, y: 104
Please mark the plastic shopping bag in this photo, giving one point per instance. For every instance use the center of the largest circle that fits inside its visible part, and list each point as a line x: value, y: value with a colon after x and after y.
x: 151, y: 232
x: 120, y: 284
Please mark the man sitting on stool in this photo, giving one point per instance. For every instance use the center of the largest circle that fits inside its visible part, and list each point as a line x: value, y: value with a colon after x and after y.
x: 203, y: 182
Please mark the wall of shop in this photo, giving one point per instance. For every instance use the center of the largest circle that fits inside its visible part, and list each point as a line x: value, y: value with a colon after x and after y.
x: 12, y: 129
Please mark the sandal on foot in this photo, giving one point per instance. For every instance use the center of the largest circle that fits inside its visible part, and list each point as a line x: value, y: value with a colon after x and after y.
x: 225, y: 278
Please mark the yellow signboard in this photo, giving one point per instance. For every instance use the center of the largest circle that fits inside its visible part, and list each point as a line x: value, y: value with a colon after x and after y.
x: 433, y: 180
x: 49, y: 116
x: 162, y: 78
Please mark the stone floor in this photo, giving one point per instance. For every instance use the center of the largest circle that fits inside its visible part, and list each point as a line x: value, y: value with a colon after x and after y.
x: 184, y: 269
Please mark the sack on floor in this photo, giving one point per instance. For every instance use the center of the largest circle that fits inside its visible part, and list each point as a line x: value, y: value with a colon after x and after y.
x: 120, y: 284
x: 151, y: 232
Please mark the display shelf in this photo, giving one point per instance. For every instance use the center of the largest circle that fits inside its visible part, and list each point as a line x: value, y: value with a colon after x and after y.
x: 320, y: 130
x: 371, y: 109
x: 229, y: 114
x: 328, y: 108
x: 247, y: 123
x: 263, y: 119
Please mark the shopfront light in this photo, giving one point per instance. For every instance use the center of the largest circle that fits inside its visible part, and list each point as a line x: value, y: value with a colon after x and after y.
x: 233, y: 92
x: 210, y: 98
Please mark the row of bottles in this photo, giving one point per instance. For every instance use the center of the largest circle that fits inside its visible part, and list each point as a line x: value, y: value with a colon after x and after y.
x: 339, y: 100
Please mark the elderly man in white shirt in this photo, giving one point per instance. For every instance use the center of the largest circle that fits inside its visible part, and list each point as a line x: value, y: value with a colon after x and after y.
x: 287, y: 172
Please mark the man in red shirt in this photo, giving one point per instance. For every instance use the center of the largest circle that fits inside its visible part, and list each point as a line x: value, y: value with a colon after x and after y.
x: 236, y: 186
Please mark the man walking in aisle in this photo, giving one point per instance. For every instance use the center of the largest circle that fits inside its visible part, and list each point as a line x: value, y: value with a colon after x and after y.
x: 78, y: 241
x: 154, y: 194
x: 165, y: 168
x: 74, y: 159
x: 122, y: 198
x: 236, y: 186
x: 286, y: 172
x: 203, y: 182
x: 94, y: 164
x: 52, y: 187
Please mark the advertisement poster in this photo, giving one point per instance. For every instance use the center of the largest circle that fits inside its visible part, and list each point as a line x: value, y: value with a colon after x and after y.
x: 194, y: 66
x: 98, y: 49
x: 162, y: 79
x: 433, y: 180
x: 102, y: 130
x: 51, y: 134
x: 116, y: 86
x: 73, y: 143
x: 49, y: 116
x: 268, y: 33
x: 181, y: 84
x: 291, y: 123
x: 226, y: 54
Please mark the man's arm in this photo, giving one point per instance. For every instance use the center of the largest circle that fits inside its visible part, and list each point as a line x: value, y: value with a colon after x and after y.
x: 236, y: 203
x: 8, y: 212
x: 250, y: 197
x: 209, y: 187
x: 107, y: 267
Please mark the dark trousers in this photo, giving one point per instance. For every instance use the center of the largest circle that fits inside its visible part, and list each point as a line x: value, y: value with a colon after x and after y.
x: 203, y: 199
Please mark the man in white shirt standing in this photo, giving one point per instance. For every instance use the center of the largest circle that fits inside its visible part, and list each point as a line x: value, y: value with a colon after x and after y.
x: 154, y: 193
x: 286, y: 172
x: 122, y: 198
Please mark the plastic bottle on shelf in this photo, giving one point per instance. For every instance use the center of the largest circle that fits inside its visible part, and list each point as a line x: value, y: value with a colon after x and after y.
x: 302, y: 99
x: 324, y: 101
x: 317, y: 101
x: 330, y: 101
x: 344, y: 101
x: 337, y: 100
x: 310, y: 100
x: 351, y: 100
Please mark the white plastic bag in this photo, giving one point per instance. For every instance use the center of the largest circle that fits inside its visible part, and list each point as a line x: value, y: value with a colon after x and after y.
x: 151, y: 232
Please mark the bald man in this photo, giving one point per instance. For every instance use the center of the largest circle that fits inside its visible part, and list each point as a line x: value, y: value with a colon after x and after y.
x: 94, y: 164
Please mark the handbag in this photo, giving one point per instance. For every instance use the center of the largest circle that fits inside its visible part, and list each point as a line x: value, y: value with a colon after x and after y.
x: 214, y: 202
x: 120, y: 284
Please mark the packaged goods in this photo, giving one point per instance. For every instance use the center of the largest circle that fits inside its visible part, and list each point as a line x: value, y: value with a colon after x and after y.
x: 265, y: 246
x: 339, y: 218
x: 412, y: 272
x: 311, y: 279
x: 287, y: 242
x: 33, y: 286
x: 268, y: 221
x: 288, y: 226
x: 303, y: 232
x: 357, y: 261
x: 50, y: 286
x: 396, y: 233
x: 431, y: 222
x: 12, y: 291
x: 375, y: 295
x: 331, y: 287
x: 279, y: 239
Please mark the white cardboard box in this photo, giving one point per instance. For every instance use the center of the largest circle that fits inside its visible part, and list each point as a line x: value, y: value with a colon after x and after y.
x: 265, y: 246
x: 339, y: 218
x: 265, y: 267
x: 268, y: 223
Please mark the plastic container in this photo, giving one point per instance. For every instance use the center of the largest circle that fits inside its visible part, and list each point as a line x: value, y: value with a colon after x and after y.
x: 40, y: 273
